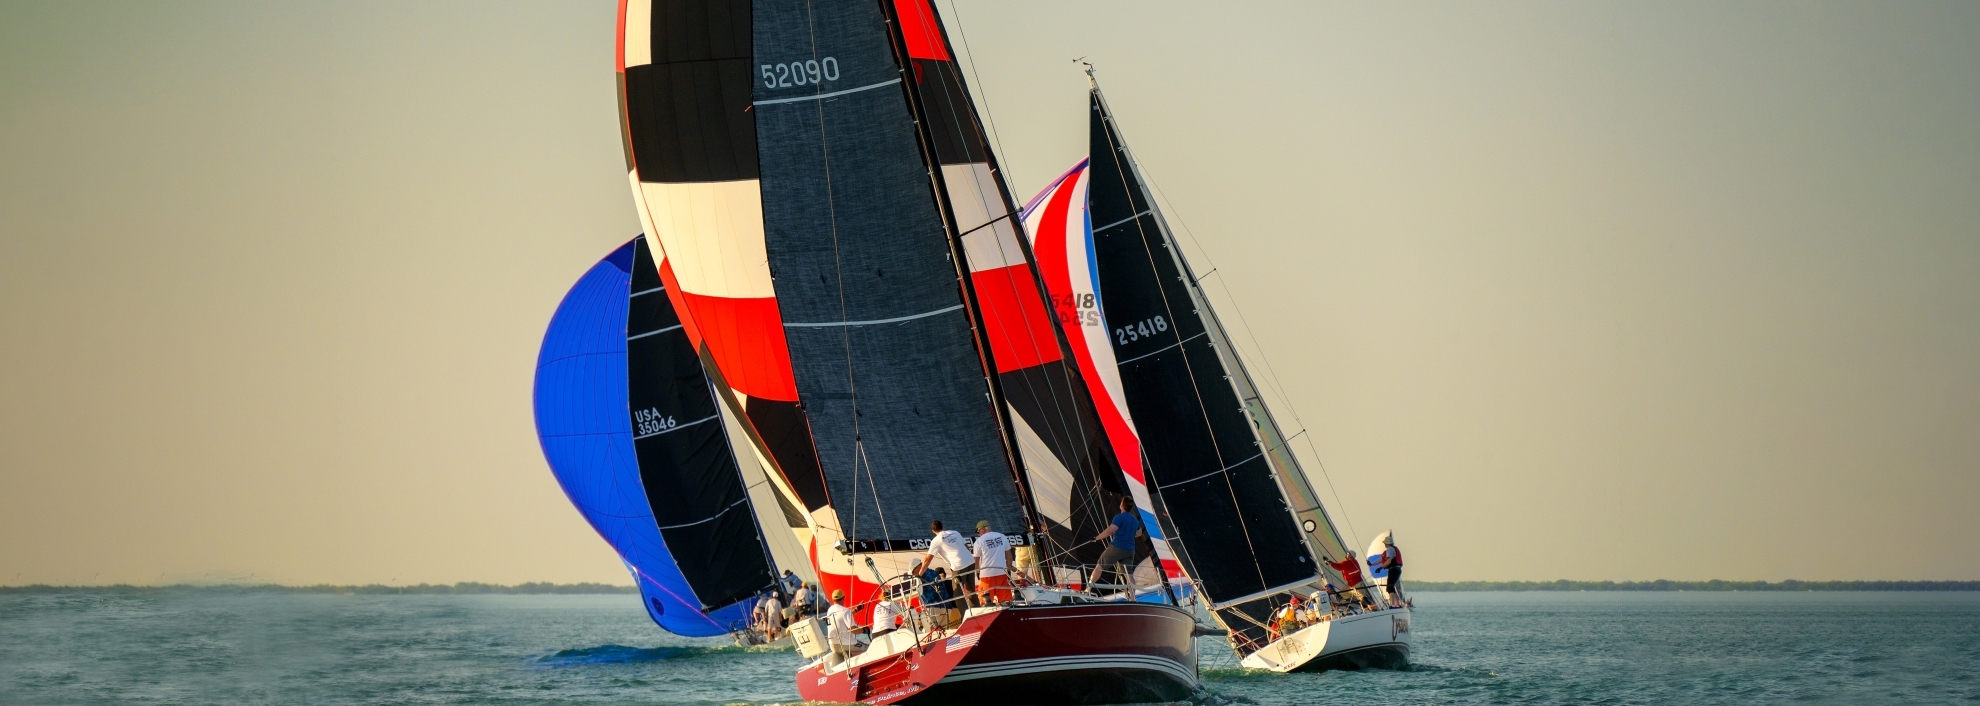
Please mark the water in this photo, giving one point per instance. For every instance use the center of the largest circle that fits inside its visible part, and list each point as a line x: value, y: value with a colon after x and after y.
x: 217, y: 646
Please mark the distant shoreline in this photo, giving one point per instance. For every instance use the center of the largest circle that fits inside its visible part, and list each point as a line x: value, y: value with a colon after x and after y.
x: 472, y: 588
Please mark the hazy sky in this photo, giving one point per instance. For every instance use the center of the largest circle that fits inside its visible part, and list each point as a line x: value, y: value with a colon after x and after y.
x: 1561, y: 290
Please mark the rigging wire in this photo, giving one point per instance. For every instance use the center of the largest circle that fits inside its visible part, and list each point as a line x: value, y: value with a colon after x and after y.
x: 992, y: 117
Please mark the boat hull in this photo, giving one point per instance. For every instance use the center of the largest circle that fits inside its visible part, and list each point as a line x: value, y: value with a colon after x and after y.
x: 1378, y: 640
x: 1091, y: 653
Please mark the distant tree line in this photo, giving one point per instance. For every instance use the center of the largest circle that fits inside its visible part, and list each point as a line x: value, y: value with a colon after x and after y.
x: 463, y: 588
x: 1713, y: 585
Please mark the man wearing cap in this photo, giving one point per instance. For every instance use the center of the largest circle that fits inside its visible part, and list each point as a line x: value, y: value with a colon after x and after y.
x: 992, y: 554
x: 839, y: 628
x: 1391, y: 559
x: 949, y: 545
x: 770, y: 615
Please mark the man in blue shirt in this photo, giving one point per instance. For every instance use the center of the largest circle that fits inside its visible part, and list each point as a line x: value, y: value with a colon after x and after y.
x: 1119, y: 537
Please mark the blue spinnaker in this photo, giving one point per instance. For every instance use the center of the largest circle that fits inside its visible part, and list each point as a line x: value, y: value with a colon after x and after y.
x: 586, y: 433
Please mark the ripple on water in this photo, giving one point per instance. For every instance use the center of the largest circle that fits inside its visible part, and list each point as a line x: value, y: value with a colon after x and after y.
x: 610, y: 654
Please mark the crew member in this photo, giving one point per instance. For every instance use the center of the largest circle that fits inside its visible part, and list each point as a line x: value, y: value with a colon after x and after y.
x: 1119, y: 537
x: 770, y: 615
x: 790, y: 582
x: 800, y: 603
x: 1025, y: 559
x: 948, y: 544
x: 936, y: 600
x: 1350, y: 569
x: 1391, y: 559
x: 992, y: 554
x: 839, y: 629
x: 886, y: 613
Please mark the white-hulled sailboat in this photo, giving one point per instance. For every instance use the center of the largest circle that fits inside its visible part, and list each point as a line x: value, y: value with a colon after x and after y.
x: 1240, y: 513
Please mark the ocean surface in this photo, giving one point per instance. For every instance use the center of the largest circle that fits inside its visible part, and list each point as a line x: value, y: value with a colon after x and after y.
x: 202, y: 646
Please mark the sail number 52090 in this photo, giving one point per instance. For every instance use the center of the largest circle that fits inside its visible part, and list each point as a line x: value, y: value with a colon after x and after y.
x: 1140, y: 330
x: 798, y: 73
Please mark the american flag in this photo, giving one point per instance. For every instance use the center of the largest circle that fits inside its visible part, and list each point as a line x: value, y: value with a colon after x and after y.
x: 962, y: 642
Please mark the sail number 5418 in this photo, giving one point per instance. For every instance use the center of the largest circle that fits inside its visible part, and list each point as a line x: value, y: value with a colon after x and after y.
x: 799, y: 73
x: 1140, y: 330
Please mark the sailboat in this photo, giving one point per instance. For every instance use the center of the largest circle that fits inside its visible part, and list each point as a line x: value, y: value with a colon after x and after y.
x: 631, y: 429
x: 846, y: 257
x: 1245, y: 522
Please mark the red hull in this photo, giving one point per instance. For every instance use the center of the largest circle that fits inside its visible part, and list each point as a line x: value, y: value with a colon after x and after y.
x: 1090, y: 653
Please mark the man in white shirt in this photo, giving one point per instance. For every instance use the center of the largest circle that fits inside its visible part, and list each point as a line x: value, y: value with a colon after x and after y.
x: 770, y: 616
x: 887, y: 613
x: 839, y: 628
x: 992, y: 554
x: 948, y: 544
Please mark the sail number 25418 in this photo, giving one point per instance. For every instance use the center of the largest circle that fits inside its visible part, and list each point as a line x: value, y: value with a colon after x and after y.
x: 798, y: 73
x: 1138, y: 330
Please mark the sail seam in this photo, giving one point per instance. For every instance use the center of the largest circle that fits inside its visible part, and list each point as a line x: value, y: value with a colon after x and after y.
x: 654, y: 333
x: 822, y: 96
x: 677, y: 428
x: 1124, y: 220
x: 1163, y: 349
x: 709, y: 518
x: 1212, y: 473
x: 870, y: 322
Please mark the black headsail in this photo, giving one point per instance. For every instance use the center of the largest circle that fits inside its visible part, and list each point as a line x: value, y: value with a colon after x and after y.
x: 685, y: 460
x: 882, y: 342
x: 1234, y: 531
x: 1075, y: 482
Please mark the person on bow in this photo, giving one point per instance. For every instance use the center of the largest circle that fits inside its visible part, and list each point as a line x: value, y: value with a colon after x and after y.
x: 992, y: 555
x: 1119, y: 553
x: 949, y: 545
x: 1391, y: 560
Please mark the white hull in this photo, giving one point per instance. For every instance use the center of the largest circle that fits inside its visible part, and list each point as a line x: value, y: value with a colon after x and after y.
x: 1370, y: 640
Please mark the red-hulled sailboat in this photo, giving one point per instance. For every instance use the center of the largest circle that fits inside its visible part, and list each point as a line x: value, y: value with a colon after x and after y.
x: 847, y: 259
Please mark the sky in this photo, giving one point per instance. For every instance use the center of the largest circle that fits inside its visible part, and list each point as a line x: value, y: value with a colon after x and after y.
x: 1627, y: 291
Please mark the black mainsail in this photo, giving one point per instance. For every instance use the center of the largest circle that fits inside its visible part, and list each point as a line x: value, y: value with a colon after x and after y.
x: 882, y: 347
x: 1233, y: 529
